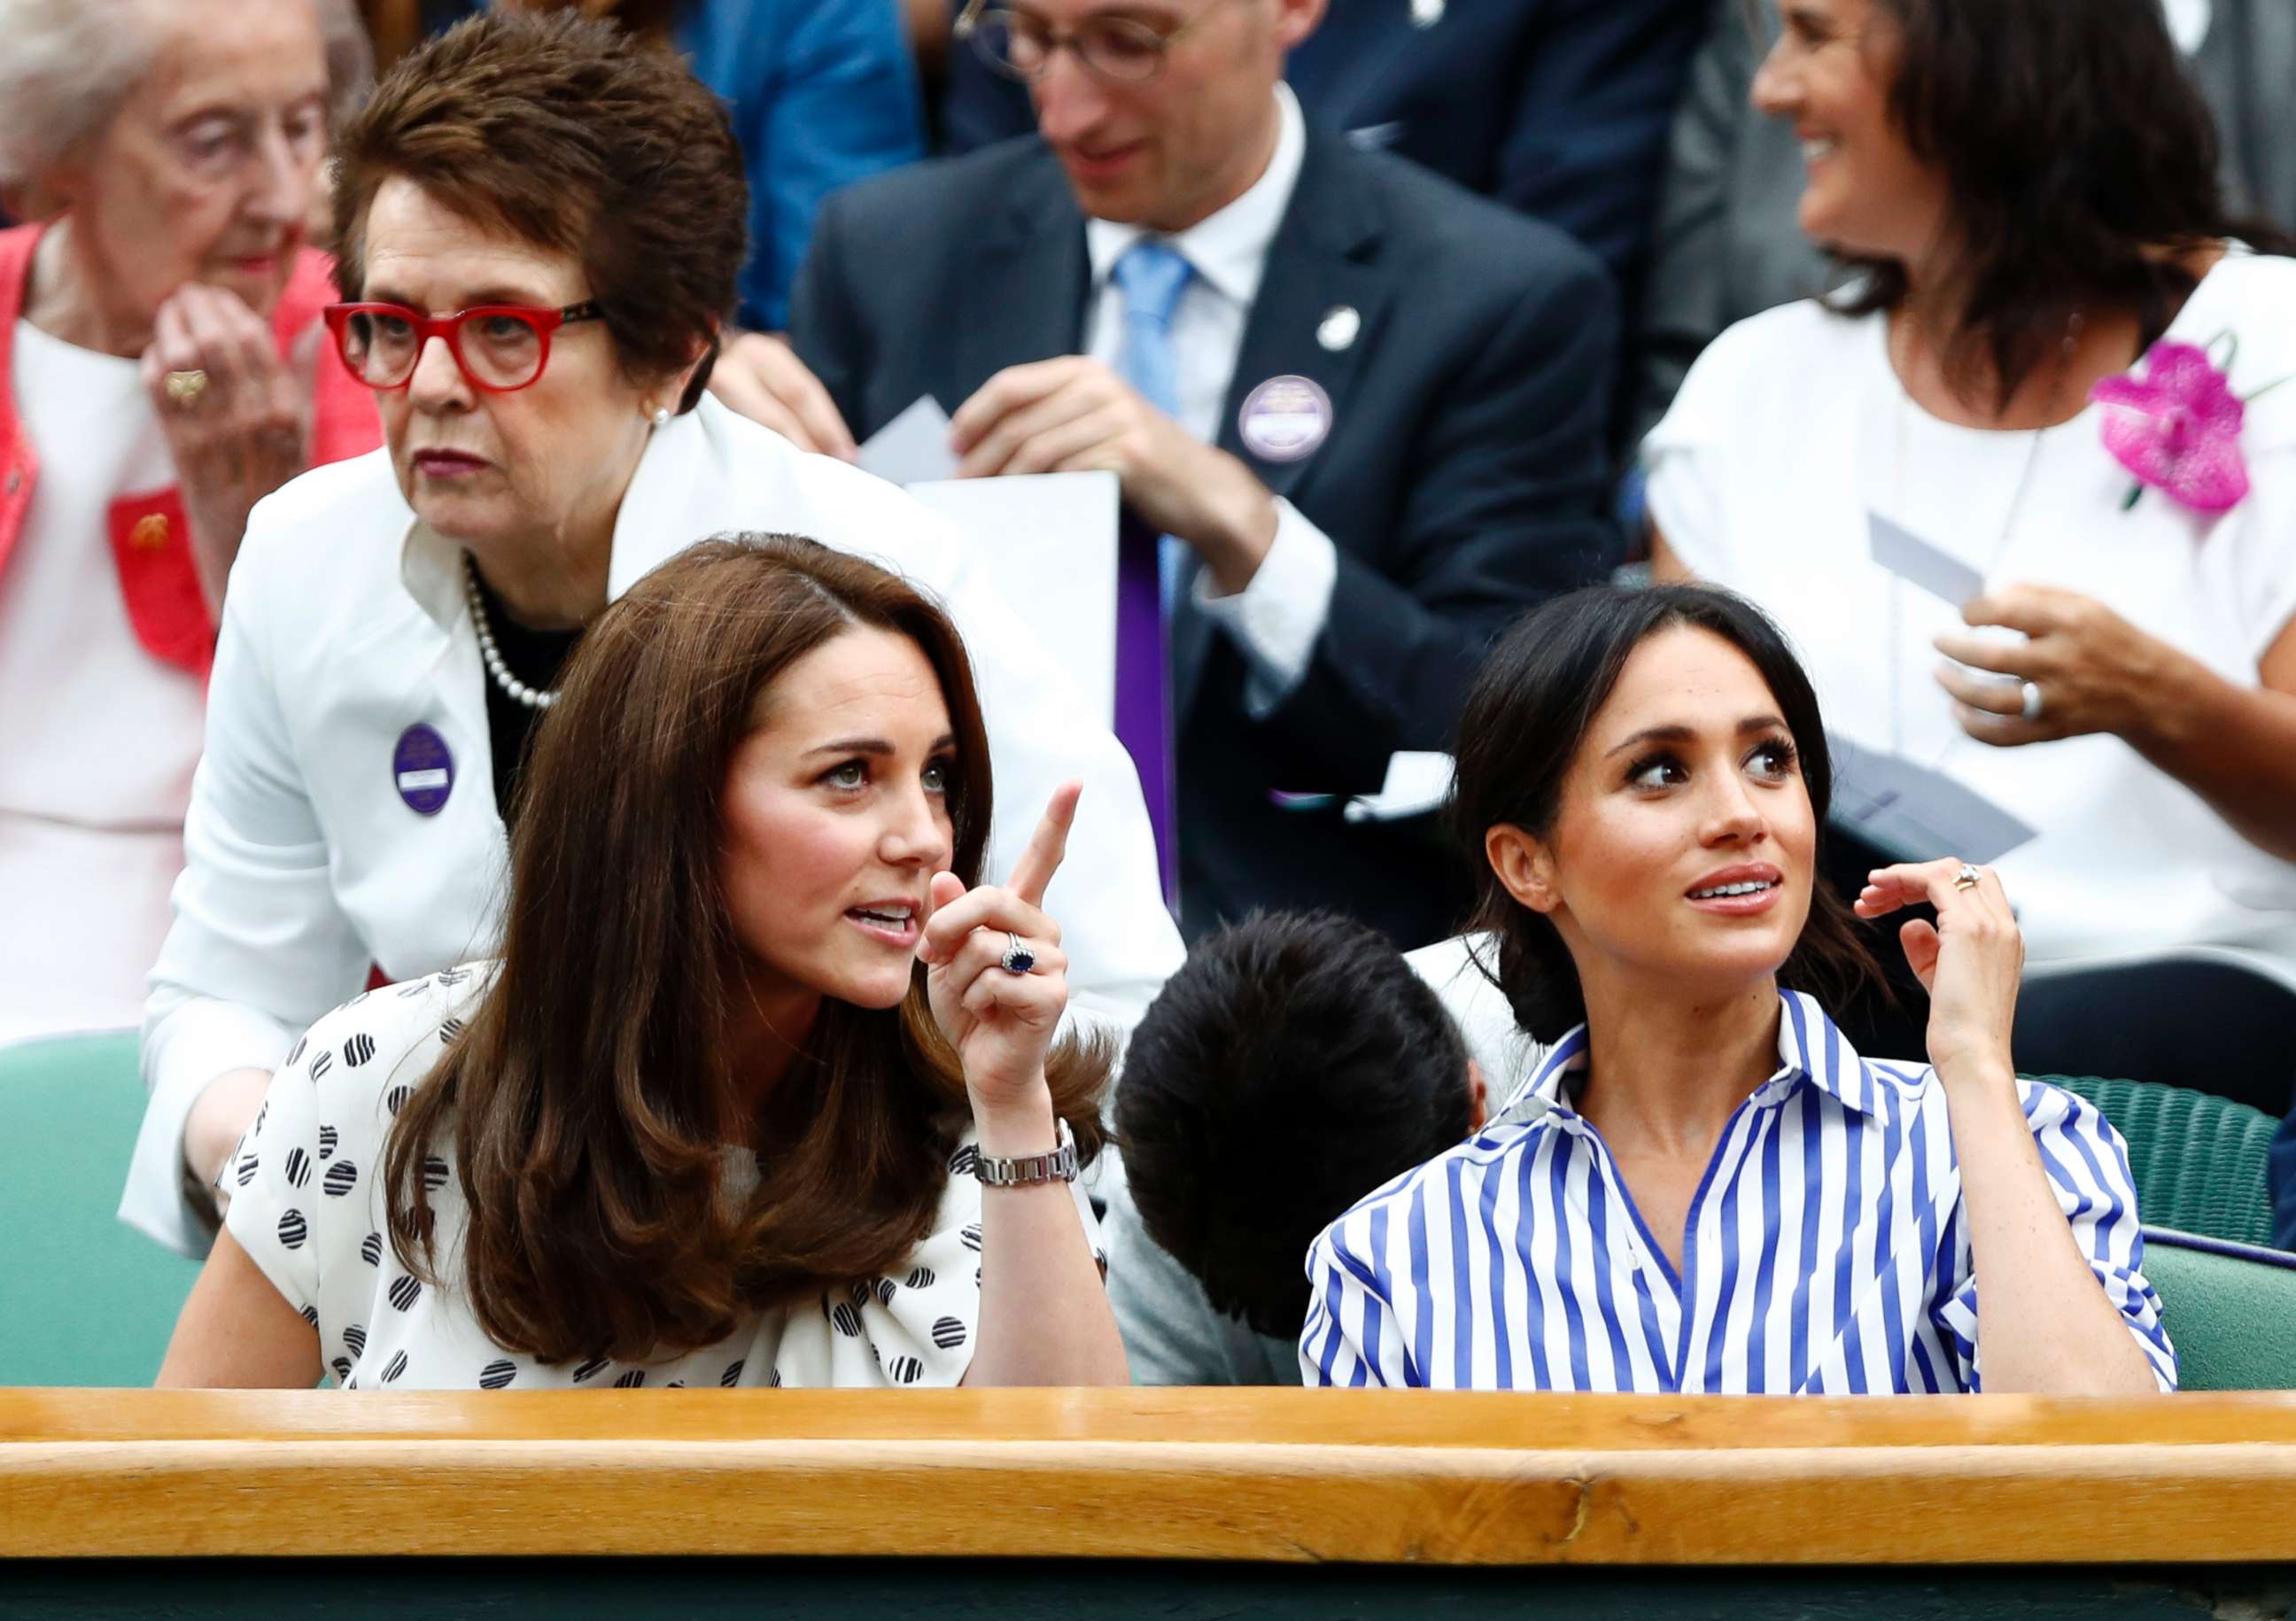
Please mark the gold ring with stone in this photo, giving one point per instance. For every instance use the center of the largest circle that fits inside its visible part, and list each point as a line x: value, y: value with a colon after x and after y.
x: 184, y: 388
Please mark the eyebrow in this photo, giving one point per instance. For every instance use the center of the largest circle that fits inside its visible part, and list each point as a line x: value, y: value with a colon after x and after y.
x: 1684, y: 734
x: 878, y: 746
x: 495, y: 294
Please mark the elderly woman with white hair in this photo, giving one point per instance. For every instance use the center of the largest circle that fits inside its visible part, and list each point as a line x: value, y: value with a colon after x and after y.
x: 160, y: 341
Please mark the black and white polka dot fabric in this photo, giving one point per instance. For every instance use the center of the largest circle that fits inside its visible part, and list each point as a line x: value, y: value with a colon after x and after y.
x: 307, y: 1207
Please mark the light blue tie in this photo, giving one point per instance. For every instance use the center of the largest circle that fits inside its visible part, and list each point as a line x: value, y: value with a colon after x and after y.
x: 1152, y: 276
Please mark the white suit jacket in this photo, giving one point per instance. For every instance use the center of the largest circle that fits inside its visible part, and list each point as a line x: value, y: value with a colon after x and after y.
x: 346, y: 624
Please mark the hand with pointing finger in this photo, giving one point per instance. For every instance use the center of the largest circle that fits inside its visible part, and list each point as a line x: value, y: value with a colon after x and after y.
x: 1002, y: 1023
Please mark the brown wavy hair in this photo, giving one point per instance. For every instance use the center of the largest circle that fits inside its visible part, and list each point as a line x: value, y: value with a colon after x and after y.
x: 551, y: 127
x: 1530, y: 710
x: 587, y: 1098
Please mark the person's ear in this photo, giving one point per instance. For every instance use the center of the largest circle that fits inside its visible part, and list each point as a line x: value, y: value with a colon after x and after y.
x: 1295, y: 20
x: 1478, y: 1098
x: 1525, y: 864
x: 685, y: 387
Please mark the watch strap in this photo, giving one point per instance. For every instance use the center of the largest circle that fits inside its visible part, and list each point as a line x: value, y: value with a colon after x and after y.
x: 1059, y: 1166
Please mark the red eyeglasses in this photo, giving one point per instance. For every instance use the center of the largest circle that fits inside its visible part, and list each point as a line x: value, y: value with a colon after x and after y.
x: 500, y: 347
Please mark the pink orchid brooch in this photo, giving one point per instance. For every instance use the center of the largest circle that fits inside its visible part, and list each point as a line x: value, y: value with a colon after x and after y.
x: 2178, y: 427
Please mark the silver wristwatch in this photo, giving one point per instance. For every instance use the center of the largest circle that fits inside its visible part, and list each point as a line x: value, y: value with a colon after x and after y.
x: 1059, y: 1166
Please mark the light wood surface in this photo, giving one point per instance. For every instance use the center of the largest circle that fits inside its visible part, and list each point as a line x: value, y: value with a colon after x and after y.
x: 1370, y: 1476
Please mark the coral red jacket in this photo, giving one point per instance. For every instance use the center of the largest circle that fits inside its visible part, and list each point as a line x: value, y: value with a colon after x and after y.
x: 150, y: 538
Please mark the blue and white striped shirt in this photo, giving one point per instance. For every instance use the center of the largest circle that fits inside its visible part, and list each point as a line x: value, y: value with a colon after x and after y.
x: 1825, y: 1252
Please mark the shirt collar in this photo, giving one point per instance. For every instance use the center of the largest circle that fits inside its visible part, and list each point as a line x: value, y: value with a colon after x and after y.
x: 1228, y: 249
x: 1811, y: 1049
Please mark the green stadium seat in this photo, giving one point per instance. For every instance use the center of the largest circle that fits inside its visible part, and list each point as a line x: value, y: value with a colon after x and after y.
x: 2199, y: 1162
x: 2230, y: 1309
x: 84, y: 1301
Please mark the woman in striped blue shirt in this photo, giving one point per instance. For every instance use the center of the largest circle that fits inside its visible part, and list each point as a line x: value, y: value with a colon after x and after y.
x: 1702, y: 1187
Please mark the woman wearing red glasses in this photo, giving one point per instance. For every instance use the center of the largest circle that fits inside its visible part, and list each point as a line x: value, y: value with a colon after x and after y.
x: 161, y: 371
x: 540, y: 237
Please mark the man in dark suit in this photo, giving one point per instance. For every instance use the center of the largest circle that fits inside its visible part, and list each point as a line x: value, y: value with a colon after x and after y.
x: 1379, y: 436
x: 1557, y: 108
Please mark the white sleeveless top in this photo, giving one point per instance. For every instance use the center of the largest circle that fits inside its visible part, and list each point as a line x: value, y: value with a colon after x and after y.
x: 1792, y: 426
x: 308, y: 1205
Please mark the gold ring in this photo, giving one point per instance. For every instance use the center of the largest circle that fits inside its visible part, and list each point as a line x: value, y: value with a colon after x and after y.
x: 184, y: 388
x: 1968, y: 877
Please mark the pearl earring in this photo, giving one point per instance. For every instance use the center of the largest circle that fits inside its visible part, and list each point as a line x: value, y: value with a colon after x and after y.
x: 662, y: 416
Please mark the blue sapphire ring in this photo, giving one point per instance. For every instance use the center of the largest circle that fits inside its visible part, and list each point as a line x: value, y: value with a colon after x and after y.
x: 1018, y: 959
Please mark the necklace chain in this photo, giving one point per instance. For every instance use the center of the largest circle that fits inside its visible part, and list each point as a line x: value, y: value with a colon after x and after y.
x: 533, y: 698
x: 2074, y: 325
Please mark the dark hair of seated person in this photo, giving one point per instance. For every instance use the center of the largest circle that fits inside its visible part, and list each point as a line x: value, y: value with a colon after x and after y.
x: 1293, y: 1064
x: 1531, y: 704
x: 563, y: 132
x: 2081, y: 160
x: 588, y: 1097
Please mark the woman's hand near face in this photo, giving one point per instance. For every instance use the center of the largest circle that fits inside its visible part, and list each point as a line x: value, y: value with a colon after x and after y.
x: 1970, y: 960
x: 1002, y: 1024
x: 245, y: 434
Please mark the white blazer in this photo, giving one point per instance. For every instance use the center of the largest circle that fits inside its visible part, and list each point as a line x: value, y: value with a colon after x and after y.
x: 346, y: 625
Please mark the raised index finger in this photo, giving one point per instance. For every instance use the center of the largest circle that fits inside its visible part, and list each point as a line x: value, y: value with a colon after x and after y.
x: 1046, y: 846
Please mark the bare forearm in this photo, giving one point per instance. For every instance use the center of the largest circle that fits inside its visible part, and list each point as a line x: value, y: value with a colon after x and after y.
x: 2233, y: 745
x: 218, y: 524
x: 2044, y: 1324
x: 1045, y: 1316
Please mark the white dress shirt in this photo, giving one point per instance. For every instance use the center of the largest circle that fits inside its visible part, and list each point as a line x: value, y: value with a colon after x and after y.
x: 97, y: 737
x: 346, y: 623
x: 1276, y: 617
x: 1827, y: 1251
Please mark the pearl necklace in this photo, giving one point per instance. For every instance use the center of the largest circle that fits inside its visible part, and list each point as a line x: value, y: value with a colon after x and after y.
x: 519, y: 691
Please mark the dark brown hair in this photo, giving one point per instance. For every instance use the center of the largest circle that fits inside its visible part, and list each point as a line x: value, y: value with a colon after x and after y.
x: 651, y: 19
x: 554, y: 128
x: 1530, y: 710
x: 587, y: 1098
x: 2082, y: 164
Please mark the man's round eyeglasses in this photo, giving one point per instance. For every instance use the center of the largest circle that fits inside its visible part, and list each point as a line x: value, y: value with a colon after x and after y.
x: 1021, y: 46
x: 500, y: 347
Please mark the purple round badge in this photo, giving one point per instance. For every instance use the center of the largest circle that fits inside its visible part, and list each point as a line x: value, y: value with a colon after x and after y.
x: 423, y: 769
x: 1286, y: 419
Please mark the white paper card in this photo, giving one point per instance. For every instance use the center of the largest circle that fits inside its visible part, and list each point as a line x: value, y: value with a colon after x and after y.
x: 1915, y: 560
x: 1417, y: 782
x: 1915, y: 814
x: 1048, y: 542
x: 912, y: 447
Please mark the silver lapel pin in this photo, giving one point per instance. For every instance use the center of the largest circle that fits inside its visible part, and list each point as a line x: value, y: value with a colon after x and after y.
x: 1426, y: 14
x: 1340, y: 329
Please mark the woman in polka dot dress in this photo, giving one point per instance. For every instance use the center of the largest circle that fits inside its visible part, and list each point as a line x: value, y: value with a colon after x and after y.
x: 764, y: 1088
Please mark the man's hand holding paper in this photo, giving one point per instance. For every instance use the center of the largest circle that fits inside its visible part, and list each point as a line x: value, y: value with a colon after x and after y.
x: 1075, y: 414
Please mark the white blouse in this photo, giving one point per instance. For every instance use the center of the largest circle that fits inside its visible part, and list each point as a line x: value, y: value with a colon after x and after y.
x: 97, y: 738
x: 308, y: 1205
x: 1793, y: 427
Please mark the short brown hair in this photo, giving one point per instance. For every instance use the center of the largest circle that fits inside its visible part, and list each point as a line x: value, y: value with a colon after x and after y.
x: 587, y: 1097
x: 552, y: 127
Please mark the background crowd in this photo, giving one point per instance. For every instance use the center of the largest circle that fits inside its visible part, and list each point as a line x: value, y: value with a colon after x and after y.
x: 1396, y: 320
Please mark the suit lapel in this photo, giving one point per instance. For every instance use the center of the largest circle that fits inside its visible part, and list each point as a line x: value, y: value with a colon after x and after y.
x: 1324, y: 260
x: 1027, y: 303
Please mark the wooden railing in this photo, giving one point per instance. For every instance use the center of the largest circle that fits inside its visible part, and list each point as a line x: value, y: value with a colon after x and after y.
x: 1348, y: 1476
